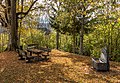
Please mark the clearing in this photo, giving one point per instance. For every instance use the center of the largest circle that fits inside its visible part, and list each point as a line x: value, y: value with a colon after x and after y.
x: 63, y: 67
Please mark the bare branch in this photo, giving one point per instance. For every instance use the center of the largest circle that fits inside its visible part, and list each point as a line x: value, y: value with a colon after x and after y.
x: 3, y: 21
x: 25, y: 13
x: 35, y: 8
x: 3, y: 6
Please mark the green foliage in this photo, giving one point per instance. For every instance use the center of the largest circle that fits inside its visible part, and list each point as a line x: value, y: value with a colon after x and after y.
x: 96, y: 52
x: 99, y: 19
x: 102, y: 27
x: 115, y: 56
x: 37, y: 36
x: 3, y: 41
x: 88, y: 48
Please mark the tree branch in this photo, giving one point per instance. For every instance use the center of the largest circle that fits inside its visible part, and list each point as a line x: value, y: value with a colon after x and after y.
x: 3, y: 21
x: 25, y: 13
x: 36, y: 8
x: 3, y: 6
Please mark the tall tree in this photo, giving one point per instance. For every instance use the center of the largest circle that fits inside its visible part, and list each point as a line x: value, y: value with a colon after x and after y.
x: 9, y: 18
x: 54, y: 11
x: 76, y: 17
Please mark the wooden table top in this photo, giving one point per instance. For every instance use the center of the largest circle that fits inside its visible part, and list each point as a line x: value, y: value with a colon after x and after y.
x: 35, y: 50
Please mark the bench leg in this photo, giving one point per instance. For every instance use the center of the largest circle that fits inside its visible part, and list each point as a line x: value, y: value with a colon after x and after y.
x: 46, y: 58
x: 21, y: 58
x: 27, y: 60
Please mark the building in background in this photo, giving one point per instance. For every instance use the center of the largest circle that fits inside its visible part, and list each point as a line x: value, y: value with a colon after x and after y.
x: 44, y: 23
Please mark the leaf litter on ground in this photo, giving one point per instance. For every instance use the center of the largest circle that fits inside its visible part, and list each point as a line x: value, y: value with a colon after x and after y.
x: 61, y: 67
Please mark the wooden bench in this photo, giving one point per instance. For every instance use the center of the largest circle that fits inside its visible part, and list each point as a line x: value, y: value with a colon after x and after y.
x: 102, y: 63
x: 31, y: 46
x: 46, y: 52
x: 23, y: 55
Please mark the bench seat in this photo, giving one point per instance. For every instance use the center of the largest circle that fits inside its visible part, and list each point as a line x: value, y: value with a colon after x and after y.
x: 99, y: 65
x: 46, y: 52
x: 102, y: 63
x: 23, y: 55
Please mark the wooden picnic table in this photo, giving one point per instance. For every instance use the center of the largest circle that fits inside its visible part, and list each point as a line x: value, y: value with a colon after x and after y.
x: 42, y: 53
x: 35, y: 51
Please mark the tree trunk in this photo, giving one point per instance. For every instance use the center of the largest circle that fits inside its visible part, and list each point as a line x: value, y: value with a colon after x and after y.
x: 57, y: 39
x: 81, y: 42
x: 108, y: 43
x: 17, y: 35
x: 8, y: 17
x: 111, y: 41
x: 13, y: 31
x: 74, y: 42
x: 117, y: 45
x: 81, y: 36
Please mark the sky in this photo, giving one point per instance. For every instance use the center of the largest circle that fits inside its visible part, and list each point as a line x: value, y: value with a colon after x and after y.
x: 40, y: 1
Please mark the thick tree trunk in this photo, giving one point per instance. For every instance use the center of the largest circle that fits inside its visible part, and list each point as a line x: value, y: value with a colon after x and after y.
x: 12, y: 21
x: 13, y: 31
